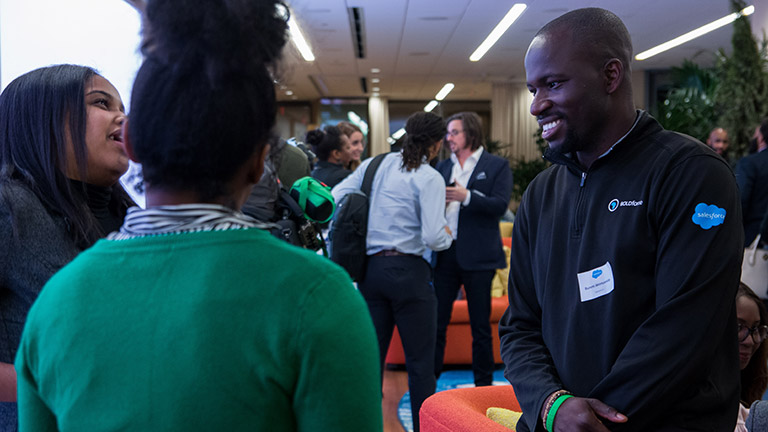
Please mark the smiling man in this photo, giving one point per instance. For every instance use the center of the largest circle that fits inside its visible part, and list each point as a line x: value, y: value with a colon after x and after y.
x: 625, y: 254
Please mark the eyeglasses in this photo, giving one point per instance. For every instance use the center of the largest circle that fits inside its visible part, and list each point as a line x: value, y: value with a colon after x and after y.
x: 759, y: 333
x: 454, y: 132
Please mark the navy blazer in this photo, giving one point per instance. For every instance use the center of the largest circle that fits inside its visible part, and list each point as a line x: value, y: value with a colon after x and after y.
x: 752, y: 178
x: 478, y: 242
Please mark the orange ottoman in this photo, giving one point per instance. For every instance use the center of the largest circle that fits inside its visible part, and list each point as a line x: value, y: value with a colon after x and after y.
x: 463, y: 409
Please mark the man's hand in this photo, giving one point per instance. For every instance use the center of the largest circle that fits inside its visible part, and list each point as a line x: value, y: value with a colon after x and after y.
x: 455, y: 193
x: 583, y: 415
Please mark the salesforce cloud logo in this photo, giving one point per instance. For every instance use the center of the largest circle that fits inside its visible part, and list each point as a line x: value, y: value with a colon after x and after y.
x: 707, y: 216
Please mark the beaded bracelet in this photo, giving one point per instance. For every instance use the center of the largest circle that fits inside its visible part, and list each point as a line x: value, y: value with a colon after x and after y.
x: 553, y: 411
x: 550, y: 400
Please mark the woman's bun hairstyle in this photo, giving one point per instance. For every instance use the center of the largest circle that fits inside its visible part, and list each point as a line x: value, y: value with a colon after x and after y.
x: 226, y: 36
x: 324, y: 141
x: 204, y: 101
x: 314, y: 138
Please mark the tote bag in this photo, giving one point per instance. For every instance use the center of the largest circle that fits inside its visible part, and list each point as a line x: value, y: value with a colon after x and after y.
x: 754, y: 268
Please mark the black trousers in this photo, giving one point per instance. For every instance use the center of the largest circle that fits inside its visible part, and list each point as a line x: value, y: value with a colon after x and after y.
x: 398, y: 292
x: 477, y: 285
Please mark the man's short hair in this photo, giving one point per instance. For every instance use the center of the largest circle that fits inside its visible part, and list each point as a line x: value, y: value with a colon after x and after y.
x: 603, y: 35
x: 473, y: 127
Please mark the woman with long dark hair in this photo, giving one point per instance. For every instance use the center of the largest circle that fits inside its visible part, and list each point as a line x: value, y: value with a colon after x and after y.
x: 407, y: 204
x: 218, y: 326
x: 61, y: 157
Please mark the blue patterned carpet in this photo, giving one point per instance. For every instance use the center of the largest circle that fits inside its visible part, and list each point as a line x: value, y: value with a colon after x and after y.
x: 450, y: 379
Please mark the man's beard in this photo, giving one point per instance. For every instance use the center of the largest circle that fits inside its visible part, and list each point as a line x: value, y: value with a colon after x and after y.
x: 571, y: 143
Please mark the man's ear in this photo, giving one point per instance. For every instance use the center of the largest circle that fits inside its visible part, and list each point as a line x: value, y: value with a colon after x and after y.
x: 613, y: 73
x: 127, y: 147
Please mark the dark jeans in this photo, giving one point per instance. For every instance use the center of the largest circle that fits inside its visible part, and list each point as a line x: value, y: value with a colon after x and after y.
x: 477, y: 285
x: 398, y: 292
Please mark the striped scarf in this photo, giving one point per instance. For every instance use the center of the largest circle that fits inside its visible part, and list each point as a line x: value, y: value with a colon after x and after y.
x: 183, y: 218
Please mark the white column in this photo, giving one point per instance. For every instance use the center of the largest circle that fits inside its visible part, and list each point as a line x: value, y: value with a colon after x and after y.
x: 378, y: 120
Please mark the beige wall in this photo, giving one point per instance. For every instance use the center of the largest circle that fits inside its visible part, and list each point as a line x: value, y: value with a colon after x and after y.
x: 638, y: 89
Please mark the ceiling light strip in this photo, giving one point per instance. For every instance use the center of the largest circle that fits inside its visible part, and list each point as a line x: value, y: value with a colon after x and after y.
x: 431, y: 105
x: 400, y: 132
x: 298, y: 39
x: 513, y: 14
x: 444, y: 91
x: 714, y: 25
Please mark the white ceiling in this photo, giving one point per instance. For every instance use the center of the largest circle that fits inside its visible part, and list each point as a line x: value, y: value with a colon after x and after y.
x: 419, y: 45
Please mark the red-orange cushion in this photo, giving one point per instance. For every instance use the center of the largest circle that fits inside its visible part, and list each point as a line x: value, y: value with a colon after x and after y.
x: 458, y: 346
x: 463, y: 409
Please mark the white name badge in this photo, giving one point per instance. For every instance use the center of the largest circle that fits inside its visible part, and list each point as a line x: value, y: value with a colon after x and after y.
x: 596, y: 282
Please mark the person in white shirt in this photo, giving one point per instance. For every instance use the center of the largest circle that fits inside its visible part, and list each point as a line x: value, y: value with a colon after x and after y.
x: 407, y: 203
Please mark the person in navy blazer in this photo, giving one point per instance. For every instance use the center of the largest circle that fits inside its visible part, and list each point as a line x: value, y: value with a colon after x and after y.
x: 479, y: 186
x: 752, y: 178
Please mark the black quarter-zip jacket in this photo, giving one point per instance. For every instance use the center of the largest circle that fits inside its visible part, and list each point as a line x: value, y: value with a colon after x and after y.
x: 623, y: 281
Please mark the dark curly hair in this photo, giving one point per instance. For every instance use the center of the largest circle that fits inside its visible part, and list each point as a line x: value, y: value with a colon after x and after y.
x: 423, y: 130
x: 204, y: 101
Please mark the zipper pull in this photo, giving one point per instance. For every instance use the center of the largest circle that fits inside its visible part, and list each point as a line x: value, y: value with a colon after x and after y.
x: 583, y: 178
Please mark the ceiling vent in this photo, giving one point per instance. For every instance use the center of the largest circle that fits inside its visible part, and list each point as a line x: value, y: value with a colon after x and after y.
x: 357, y: 25
x: 364, y: 85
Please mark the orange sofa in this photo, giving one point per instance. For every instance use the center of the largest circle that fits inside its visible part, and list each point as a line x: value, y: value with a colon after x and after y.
x: 463, y: 409
x: 458, y: 344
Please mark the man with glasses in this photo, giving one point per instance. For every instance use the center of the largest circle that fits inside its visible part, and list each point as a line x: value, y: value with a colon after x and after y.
x: 479, y: 186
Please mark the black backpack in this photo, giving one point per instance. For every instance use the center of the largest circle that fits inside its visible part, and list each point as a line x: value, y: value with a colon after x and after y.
x: 349, y: 228
x: 292, y: 225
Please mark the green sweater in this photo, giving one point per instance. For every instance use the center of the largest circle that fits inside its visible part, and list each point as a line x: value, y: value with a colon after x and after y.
x: 209, y: 331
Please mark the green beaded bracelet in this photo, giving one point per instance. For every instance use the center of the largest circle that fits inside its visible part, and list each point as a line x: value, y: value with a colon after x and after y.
x: 553, y: 411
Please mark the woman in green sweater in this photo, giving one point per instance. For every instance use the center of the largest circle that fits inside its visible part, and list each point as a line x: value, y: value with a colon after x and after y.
x: 213, y: 324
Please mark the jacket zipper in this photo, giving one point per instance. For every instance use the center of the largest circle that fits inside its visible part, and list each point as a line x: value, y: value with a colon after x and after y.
x: 578, y: 217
